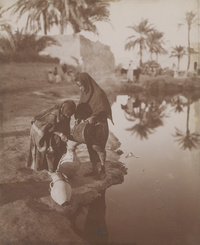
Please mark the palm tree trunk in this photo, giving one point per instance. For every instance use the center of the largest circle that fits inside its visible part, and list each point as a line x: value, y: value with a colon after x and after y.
x: 188, y: 66
x: 45, y: 22
x: 188, y: 116
x: 140, y: 55
x: 178, y: 63
x: 64, y: 16
x: 64, y: 12
x: 62, y: 24
x: 67, y: 9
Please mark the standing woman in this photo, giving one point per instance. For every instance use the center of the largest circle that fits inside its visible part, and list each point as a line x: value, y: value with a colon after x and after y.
x: 98, y: 109
x: 49, y: 133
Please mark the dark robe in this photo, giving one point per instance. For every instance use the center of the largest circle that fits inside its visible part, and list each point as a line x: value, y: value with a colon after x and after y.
x: 94, y: 96
x: 99, y: 107
x: 43, y: 137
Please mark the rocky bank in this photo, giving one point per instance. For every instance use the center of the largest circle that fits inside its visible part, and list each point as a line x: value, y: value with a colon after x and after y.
x: 30, y: 216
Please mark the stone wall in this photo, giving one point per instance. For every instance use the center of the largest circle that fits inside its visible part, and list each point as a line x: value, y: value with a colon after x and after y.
x: 67, y: 48
x: 97, y: 57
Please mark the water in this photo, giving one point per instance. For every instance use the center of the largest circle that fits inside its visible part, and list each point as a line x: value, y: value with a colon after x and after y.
x: 159, y: 201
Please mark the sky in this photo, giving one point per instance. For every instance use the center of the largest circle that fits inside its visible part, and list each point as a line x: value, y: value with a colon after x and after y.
x: 163, y: 14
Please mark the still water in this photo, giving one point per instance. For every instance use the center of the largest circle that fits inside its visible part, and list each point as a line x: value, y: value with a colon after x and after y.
x: 159, y: 201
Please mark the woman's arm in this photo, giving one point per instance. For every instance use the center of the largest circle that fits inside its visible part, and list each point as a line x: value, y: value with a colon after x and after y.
x: 62, y: 136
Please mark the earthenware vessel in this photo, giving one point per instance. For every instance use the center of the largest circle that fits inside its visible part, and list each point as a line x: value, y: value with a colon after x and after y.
x: 69, y: 162
x: 60, y: 189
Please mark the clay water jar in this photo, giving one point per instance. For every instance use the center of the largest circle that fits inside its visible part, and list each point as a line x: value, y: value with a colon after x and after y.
x: 69, y: 162
x: 60, y: 189
x: 82, y: 132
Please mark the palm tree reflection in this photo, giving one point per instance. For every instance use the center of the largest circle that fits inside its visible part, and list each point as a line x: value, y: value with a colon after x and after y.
x: 187, y: 140
x: 177, y: 103
x: 149, y: 116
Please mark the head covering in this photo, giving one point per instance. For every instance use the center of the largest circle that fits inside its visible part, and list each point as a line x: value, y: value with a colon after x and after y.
x: 56, y: 113
x: 68, y: 108
x: 94, y: 96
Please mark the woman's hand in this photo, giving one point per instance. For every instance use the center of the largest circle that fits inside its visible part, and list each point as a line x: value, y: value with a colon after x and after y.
x: 77, y: 121
x: 91, y: 120
x: 63, y: 137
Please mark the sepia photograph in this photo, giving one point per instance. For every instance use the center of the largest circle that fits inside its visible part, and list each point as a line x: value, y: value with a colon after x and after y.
x: 100, y: 122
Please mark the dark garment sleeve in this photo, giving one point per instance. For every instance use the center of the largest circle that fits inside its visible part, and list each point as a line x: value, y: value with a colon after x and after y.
x: 63, y: 127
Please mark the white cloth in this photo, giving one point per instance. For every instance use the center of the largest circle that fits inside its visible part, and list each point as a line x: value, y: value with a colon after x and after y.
x: 130, y: 73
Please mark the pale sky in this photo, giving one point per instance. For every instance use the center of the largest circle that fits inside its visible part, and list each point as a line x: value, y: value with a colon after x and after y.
x: 163, y: 14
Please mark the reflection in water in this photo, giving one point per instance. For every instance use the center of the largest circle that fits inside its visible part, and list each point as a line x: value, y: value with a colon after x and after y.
x: 178, y: 103
x: 158, y: 203
x: 90, y: 223
x: 187, y: 140
x: 147, y: 115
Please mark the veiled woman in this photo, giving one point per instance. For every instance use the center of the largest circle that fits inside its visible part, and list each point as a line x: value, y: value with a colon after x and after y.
x: 49, y: 132
x: 95, y: 108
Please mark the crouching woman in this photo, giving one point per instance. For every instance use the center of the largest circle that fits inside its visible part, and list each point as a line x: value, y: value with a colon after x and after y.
x: 49, y: 133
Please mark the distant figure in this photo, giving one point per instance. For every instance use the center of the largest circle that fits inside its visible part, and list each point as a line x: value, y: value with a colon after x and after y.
x: 130, y: 73
x: 51, y: 77
x: 81, y: 64
x: 55, y: 71
x: 64, y: 68
x: 175, y: 71
x: 153, y: 71
x: 195, y: 66
x: 56, y: 75
x: 137, y: 74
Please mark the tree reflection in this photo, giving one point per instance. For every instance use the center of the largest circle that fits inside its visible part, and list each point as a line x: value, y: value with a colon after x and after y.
x: 155, y: 115
x: 187, y: 140
x: 149, y: 115
x: 177, y: 103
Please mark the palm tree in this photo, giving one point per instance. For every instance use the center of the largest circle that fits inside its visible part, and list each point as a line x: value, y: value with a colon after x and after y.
x: 140, y: 37
x: 190, y: 20
x: 160, y: 50
x: 96, y: 11
x: 36, y: 10
x: 155, y: 42
x: 179, y: 52
x: 82, y: 14
x: 6, y: 41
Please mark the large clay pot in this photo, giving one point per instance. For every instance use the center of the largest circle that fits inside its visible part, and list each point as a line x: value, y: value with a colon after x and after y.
x: 69, y: 162
x: 60, y: 189
x: 82, y: 132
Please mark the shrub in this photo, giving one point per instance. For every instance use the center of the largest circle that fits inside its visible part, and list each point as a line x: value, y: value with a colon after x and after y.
x: 26, y: 47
